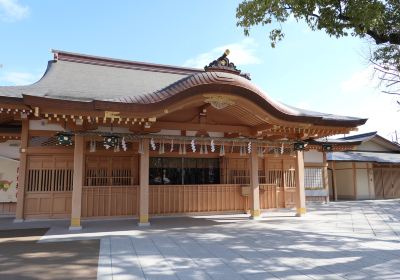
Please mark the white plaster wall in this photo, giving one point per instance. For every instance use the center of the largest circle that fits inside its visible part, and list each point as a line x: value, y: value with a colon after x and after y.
x: 114, y: 129
x: 313, y: 157
x: 8, y: 174
x: 371, y: 146
x: 169, y: 132
x: 44, y: 125
x: 10, y: 149
x: 362, y: 184
x: 216, y: 134
x: 344, y: 181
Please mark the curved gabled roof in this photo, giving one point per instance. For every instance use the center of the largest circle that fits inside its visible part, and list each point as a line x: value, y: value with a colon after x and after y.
x: 235, y: 84
x: 113, y: 83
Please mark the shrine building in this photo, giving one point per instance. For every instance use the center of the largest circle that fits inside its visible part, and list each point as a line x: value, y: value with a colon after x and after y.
x: 102, y: 137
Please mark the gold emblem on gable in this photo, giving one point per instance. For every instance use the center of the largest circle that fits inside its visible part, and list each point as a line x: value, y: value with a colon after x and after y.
x: 219, y: 101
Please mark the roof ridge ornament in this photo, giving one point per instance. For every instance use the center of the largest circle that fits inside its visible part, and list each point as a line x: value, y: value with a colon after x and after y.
x: 224, y: 65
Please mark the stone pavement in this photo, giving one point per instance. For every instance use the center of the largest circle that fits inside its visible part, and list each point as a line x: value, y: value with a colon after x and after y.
x: 341, y: 240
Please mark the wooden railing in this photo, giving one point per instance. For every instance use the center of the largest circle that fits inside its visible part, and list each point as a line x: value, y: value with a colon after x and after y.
x: 169, y: 199
x: 107, y: 201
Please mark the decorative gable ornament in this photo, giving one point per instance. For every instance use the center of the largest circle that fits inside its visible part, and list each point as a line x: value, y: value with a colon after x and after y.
x: 223, y: 64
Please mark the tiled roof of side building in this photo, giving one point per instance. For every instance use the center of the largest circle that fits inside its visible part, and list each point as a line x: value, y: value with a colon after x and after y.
x: 361, y: 137
x: 364, y: 157
x: 374, y: 136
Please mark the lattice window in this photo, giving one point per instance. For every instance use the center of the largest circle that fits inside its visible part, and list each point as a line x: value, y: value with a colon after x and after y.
x: 111, y: 171
x: 313, y: 178
x: 290, y: 178
x: 238, y: 171
x: 274, y: 177
x: 45, y: 141
x: 49, y: 173
x: 261, y: 171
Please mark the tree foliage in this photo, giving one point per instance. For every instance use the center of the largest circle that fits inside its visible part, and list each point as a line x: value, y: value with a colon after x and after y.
x: 377, y: 19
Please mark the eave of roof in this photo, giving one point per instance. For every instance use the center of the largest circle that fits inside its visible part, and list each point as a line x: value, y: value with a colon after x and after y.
x: 340, y: 142
x: 370, y: 136
x: 364, y: 157
x: 360, y: 137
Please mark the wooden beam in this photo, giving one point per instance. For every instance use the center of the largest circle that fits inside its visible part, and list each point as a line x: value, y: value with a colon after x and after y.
x: 243, y: 130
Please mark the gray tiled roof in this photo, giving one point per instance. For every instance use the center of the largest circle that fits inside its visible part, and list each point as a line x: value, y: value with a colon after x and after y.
x: 80, y: 77
x: 364, y: 157
x: 86, y: 82
x: 361, y: 137
x: 326, y: 116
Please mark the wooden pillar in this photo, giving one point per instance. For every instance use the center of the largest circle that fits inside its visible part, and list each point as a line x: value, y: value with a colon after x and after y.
x: 79, y: 165
x: 334, y: 184
x: 254, y: 185
x: 144, y: 185
x: 371, y: 183
x: 301, y: 196
x: 354, y: 180
x: 325, y: 177
x: 19, y: 214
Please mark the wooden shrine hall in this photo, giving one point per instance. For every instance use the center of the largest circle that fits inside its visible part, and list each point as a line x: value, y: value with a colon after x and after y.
x: 102, y: 137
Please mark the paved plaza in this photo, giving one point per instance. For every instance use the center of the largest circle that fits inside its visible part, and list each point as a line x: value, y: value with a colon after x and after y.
x: 341, y: 240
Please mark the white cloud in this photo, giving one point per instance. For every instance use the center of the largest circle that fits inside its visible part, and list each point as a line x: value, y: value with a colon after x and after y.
x: 242, y: 53
x: 12, y: 10
x: 360, y: 80
x: 18, y: 78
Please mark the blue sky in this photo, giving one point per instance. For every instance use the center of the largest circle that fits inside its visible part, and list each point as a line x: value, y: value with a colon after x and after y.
x: 307, y: 69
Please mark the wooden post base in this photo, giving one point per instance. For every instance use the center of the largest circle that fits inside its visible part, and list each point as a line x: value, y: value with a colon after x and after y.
x: 255, y: 214
x: 75, y: 224
x: 301, y: 212
x: 144, y: 221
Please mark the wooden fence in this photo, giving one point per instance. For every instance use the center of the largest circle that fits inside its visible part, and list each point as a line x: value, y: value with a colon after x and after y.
x: 387, y: 181
x: 8, y: 208
x: 170, y: 199
x: 108, y: 201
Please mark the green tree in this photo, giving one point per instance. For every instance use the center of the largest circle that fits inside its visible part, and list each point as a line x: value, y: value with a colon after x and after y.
x: 376, y: 19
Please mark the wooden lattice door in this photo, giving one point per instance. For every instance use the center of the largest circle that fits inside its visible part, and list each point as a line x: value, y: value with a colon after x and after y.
x: 48, y: 186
